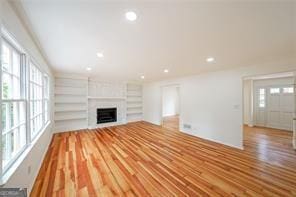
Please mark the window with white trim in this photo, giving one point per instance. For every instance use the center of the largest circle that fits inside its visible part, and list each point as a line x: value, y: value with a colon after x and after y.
x: 288, y: 90
x: 36, y: 100
x: 46, y: 98
x: 13, y: 104
x: 274, y: 90
x: 24, y: 102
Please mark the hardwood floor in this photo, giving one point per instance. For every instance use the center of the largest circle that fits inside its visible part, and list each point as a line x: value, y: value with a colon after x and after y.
x: 171, y: 122
x: 141, y: 159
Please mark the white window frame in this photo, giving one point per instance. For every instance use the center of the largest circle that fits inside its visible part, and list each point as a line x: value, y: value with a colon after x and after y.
x: 22, y: 98
x: 13, y: 164
x: 46, y: 98
x: 41, y: 86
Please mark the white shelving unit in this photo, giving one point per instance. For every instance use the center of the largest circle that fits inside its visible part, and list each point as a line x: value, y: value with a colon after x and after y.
x: 70, y: 102
x: 134, y: 111
x: 76, y: 100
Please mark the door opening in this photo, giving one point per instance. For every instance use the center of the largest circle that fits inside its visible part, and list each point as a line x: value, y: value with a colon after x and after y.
x: 269, y: 109
x: 171, y: 107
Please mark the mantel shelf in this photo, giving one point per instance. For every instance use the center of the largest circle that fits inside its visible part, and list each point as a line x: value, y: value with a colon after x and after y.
x: 106, y: 98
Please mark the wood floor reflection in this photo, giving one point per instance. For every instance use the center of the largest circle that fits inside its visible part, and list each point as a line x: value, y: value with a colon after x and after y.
x: 171, y: 122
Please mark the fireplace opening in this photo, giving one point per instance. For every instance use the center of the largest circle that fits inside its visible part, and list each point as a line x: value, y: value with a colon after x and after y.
x: 105, y: 115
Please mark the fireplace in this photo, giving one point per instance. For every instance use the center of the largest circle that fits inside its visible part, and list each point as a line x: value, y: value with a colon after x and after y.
x: 105, y: 115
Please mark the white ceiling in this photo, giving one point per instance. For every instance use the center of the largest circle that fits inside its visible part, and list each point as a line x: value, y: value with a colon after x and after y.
x: 175, y: 35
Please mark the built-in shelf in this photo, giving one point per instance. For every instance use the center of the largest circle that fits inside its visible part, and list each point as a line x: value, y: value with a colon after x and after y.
x: 68, y: 86
x: 130, y: 106
x: 69, y: 94
x: 134, y: 117
x: 134, y: 112
x: 70, y: 118
x: 70, y: 125
x: 137, y: 96
x: 107, y: 98
x: 69, y: 110
x: 134, y: 99
x: 70, y: 107
x: 134, y: 102
x: 70, y: 99
x: 70, y: 103
x: 74, y: 96
x: 131, y: 89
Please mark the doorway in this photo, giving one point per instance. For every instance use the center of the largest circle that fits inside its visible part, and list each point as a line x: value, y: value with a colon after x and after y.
x: 276, y: 107
x: 268, y: 110
x: 269, y: 102
x: 171, y: 107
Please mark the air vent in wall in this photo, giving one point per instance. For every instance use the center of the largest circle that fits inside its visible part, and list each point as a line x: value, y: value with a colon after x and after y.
x: 186, y: 126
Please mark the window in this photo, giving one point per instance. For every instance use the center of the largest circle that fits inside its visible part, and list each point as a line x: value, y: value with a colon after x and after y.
x: 261, y: 97
x: 36, y: 100
x: 288, y: 90
x: 24, y: 101
x: 13, y: 104
x: 46, y: 99
x: 274, y: 90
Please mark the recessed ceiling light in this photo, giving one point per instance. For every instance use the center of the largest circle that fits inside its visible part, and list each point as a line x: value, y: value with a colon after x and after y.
x: 165, y: 70
x: 210, y: 59
x: 100, y: 55
x: 88, y: 68
x: 142, y: 77
x: 131, y: 16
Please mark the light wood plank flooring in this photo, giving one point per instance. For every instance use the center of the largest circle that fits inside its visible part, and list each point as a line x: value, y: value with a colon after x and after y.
x: 141, y: 159
x: 171, y: 122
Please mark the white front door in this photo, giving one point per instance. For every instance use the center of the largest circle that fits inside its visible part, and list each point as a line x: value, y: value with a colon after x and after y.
x: 275, y: 108
x: 287, y: 107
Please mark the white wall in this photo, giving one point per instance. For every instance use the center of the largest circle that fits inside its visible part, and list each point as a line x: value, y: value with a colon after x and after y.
x: 294, y: 119
x: 248, y: 91
x: 170, y: 101
x: 205, y: 104
x: 21, y: 177
x: 294, y: 22
x: 211, y: 103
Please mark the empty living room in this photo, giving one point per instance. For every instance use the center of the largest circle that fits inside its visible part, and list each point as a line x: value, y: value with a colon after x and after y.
x: 147, y: 98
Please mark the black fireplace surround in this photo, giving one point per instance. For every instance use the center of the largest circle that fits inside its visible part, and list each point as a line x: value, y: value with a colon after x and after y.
x: 105, y: 115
